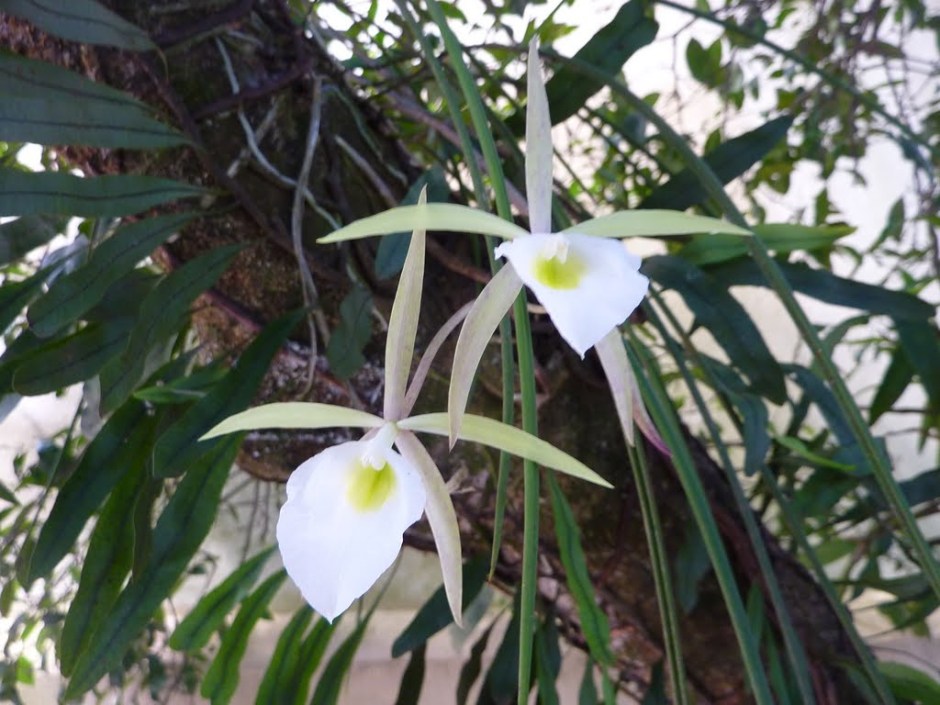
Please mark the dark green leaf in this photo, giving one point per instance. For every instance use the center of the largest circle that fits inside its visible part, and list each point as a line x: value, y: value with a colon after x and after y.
x: 76, y: 293
x: 285, y: 661
x: 779, y: 237
x: 334, y: 673
x: 15, y: 296
x: 54, y: 119
x: 179, y: 445
x: 547, y: 661
x: 7, y: 495
x: 194, y: 631
x: 910, y: 683
x: 119, y: 448
x: 656, y: 693
x: 27, y: 78
x: 691, y: 566
x: 57, y: 193
x: 499, y: 686
x: 594, y: 624
x: 82, y: 21
x: 726, y: 319
x: 179, y: 533
x: 20, y: 236
x: 728, y: 161
x: 472, y: 667
x: 344, y: 350
x: 297, y: 682
x: 896, y: 379
x: 705, y: 64
x: 435, y: 614
x: 825, y: 286
x: 221, y: 680
x: 920, y: 341
x: 587, y: 692
x: 72, y: 359
x: 161, y: 315
x: 412, y: 679
x: 106, y: 564
x: 632, y: 28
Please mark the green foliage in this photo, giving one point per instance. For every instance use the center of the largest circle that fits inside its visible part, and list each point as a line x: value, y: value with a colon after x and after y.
x: 127, y: 496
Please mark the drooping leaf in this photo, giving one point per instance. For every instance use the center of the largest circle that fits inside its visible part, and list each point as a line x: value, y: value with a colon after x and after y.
x: 435, y: 614
x: 221, y: 680
x: 74, y: 294
x: 15, y: 296
x: 778, y: 237
x: 632, y: 28
x: 57, y: 193
x: 18, y: 237
x: 412, y: 679
x: 726, y: 319
x: 334, y: 673
x: 500, y: 683
x: 118, y: 449
x: 594, y: 624
x: 72, y: 359
x: 920, y: 341
x: 84, y: 21
x: 104, y: 568
x: 728, y: 161
x: 896, y: 379
x: 195, y: 630
x: 825, y: 286
x: 179, y: 445
x: 285, y: 660
x: 344, y: 351
x: 180, y: 531
x: 296, y: 682
x: 910, y: 683
x: 160, y: 315
x: 547, y: 661
x: 478, y: 429
x: 472, y: 667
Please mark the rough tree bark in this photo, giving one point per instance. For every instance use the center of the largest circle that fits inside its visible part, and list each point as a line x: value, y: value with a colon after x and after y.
x: 360, y: 167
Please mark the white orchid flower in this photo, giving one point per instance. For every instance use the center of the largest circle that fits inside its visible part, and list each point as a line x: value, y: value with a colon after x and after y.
x: 342, y: 525
x: 348, y: 506
x: 583, y: 276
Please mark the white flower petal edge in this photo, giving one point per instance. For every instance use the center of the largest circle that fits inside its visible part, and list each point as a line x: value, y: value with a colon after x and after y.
x: 341, y: 528
x: 588, y: 285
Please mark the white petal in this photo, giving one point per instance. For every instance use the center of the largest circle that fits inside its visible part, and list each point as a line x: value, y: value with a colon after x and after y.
x: 606, y: 290
x: 331, y: 549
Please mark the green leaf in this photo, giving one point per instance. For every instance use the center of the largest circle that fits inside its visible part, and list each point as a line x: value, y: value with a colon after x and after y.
x: 57, y: 119
x: 632, y: 28
x: 57, y: 193
x: 194, y: 631
x: 104, y: 568
x: 435, y: 614
x: 587, y: 692
x: 76, y: 293
x: 705, y: 64
x: 910, y: 683
x: 547, y: 660
x: 334, y: 673
x: 82, y: 21
x: 920, y: 341
x: 20, y: 236
x: 896, y: 379
x: 778, y: 237
x: 409, y: 691
x: 654, y: 223
x: 800, y: 448
x: 347, y: 341
x: 294, y: 414
x: 180, y: 531
x: 72, y: 359
x: 478, y: 429
x: 729, y: 323
x: 472, y: 667
x: 310, y: 653
x: 501, y: 682
x: 179, y: 445
x: 160, y: 315
x: 285, y: 660
x: 117, y: 450
x: 728, y: 161
x: 594, y: 624
x: 221, y: 680
x: 15, y: 296
x: 431, y: 216
x: 825, y: 286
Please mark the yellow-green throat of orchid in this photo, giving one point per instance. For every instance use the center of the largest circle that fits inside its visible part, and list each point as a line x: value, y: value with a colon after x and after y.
x: 556, y: 267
